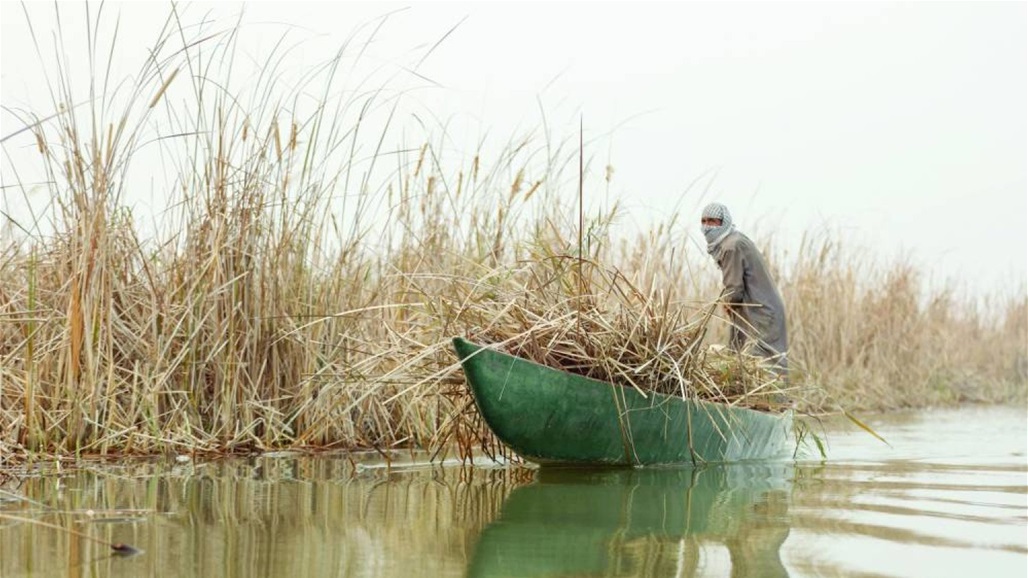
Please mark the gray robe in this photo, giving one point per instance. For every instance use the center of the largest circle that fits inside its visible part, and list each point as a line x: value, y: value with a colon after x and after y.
x: 758, y: 313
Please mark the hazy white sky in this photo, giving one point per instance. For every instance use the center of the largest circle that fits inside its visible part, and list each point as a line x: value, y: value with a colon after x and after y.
x: 902, y: 126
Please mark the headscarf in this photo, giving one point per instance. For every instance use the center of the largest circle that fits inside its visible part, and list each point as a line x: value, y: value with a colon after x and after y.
x: 714, y: 234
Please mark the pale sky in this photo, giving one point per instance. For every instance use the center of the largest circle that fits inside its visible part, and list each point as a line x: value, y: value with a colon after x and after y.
x: 901, y: 126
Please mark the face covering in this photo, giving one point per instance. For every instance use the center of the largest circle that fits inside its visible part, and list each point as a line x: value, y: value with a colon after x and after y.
x: 715, y: 235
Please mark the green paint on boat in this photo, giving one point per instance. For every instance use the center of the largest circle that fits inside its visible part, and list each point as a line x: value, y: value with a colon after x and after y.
x: 550, y: 416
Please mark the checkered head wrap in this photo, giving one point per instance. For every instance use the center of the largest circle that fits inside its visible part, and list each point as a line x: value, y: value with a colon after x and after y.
x: 715, y: 235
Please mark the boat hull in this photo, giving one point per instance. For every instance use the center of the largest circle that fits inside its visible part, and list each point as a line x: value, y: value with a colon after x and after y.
x: 550, y: 416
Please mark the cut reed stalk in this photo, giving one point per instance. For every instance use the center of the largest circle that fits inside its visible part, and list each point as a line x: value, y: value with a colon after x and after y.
x: 118, y: 548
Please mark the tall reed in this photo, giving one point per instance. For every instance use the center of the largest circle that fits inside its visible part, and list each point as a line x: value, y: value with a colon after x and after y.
x: 287, y: 298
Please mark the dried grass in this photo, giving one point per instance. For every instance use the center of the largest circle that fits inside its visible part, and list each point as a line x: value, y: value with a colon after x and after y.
x: 590, y: 320
x: 264, y: 315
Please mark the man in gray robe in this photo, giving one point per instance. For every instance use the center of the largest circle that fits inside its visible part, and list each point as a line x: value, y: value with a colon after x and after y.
x: 754, y: 305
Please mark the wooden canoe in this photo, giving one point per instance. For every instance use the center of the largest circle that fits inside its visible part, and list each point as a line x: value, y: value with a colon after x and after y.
x: 550, y: 416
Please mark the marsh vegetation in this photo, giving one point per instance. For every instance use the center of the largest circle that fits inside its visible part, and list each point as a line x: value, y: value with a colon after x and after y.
x: 282, y: 296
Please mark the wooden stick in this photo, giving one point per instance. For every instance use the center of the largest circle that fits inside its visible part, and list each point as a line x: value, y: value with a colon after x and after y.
x: 118, y: 547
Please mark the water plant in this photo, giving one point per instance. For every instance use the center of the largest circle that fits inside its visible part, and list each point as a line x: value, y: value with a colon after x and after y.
x: 304, y: 273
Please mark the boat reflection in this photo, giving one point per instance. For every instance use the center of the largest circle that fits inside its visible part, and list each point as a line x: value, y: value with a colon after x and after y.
x: 642, y: 522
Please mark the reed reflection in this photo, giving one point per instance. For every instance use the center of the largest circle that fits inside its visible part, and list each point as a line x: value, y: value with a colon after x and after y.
x: 647, y: 522
x: 343, y: 516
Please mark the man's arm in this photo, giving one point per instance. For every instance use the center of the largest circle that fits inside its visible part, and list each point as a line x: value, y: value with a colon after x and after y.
x: 732, y: 268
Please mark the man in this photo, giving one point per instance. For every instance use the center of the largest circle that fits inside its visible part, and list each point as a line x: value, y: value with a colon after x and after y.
x: 754, y: 305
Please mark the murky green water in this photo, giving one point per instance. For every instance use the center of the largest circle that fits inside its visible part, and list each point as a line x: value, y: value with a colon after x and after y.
x: 948, y: 498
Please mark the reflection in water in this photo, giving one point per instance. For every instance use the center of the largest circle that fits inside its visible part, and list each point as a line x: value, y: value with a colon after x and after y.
x: 649, y: 522
x: 947, y: 497
x: 268, y: 516
x: 328, y: 516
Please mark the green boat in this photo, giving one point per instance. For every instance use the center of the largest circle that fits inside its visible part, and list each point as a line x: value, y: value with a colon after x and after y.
x: 551, y: 417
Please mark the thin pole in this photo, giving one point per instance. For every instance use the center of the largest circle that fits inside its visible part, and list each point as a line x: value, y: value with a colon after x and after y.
x: 581, y: 218
x: 118, y: 547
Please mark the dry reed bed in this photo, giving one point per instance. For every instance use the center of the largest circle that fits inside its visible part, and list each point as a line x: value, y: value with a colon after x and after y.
x: 264, y: 314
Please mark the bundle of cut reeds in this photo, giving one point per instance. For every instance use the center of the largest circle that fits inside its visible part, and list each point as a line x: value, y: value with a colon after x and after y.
x: 585, y: 318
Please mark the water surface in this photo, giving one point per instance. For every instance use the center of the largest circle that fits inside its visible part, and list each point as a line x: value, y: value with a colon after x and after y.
x: 947, y: 497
